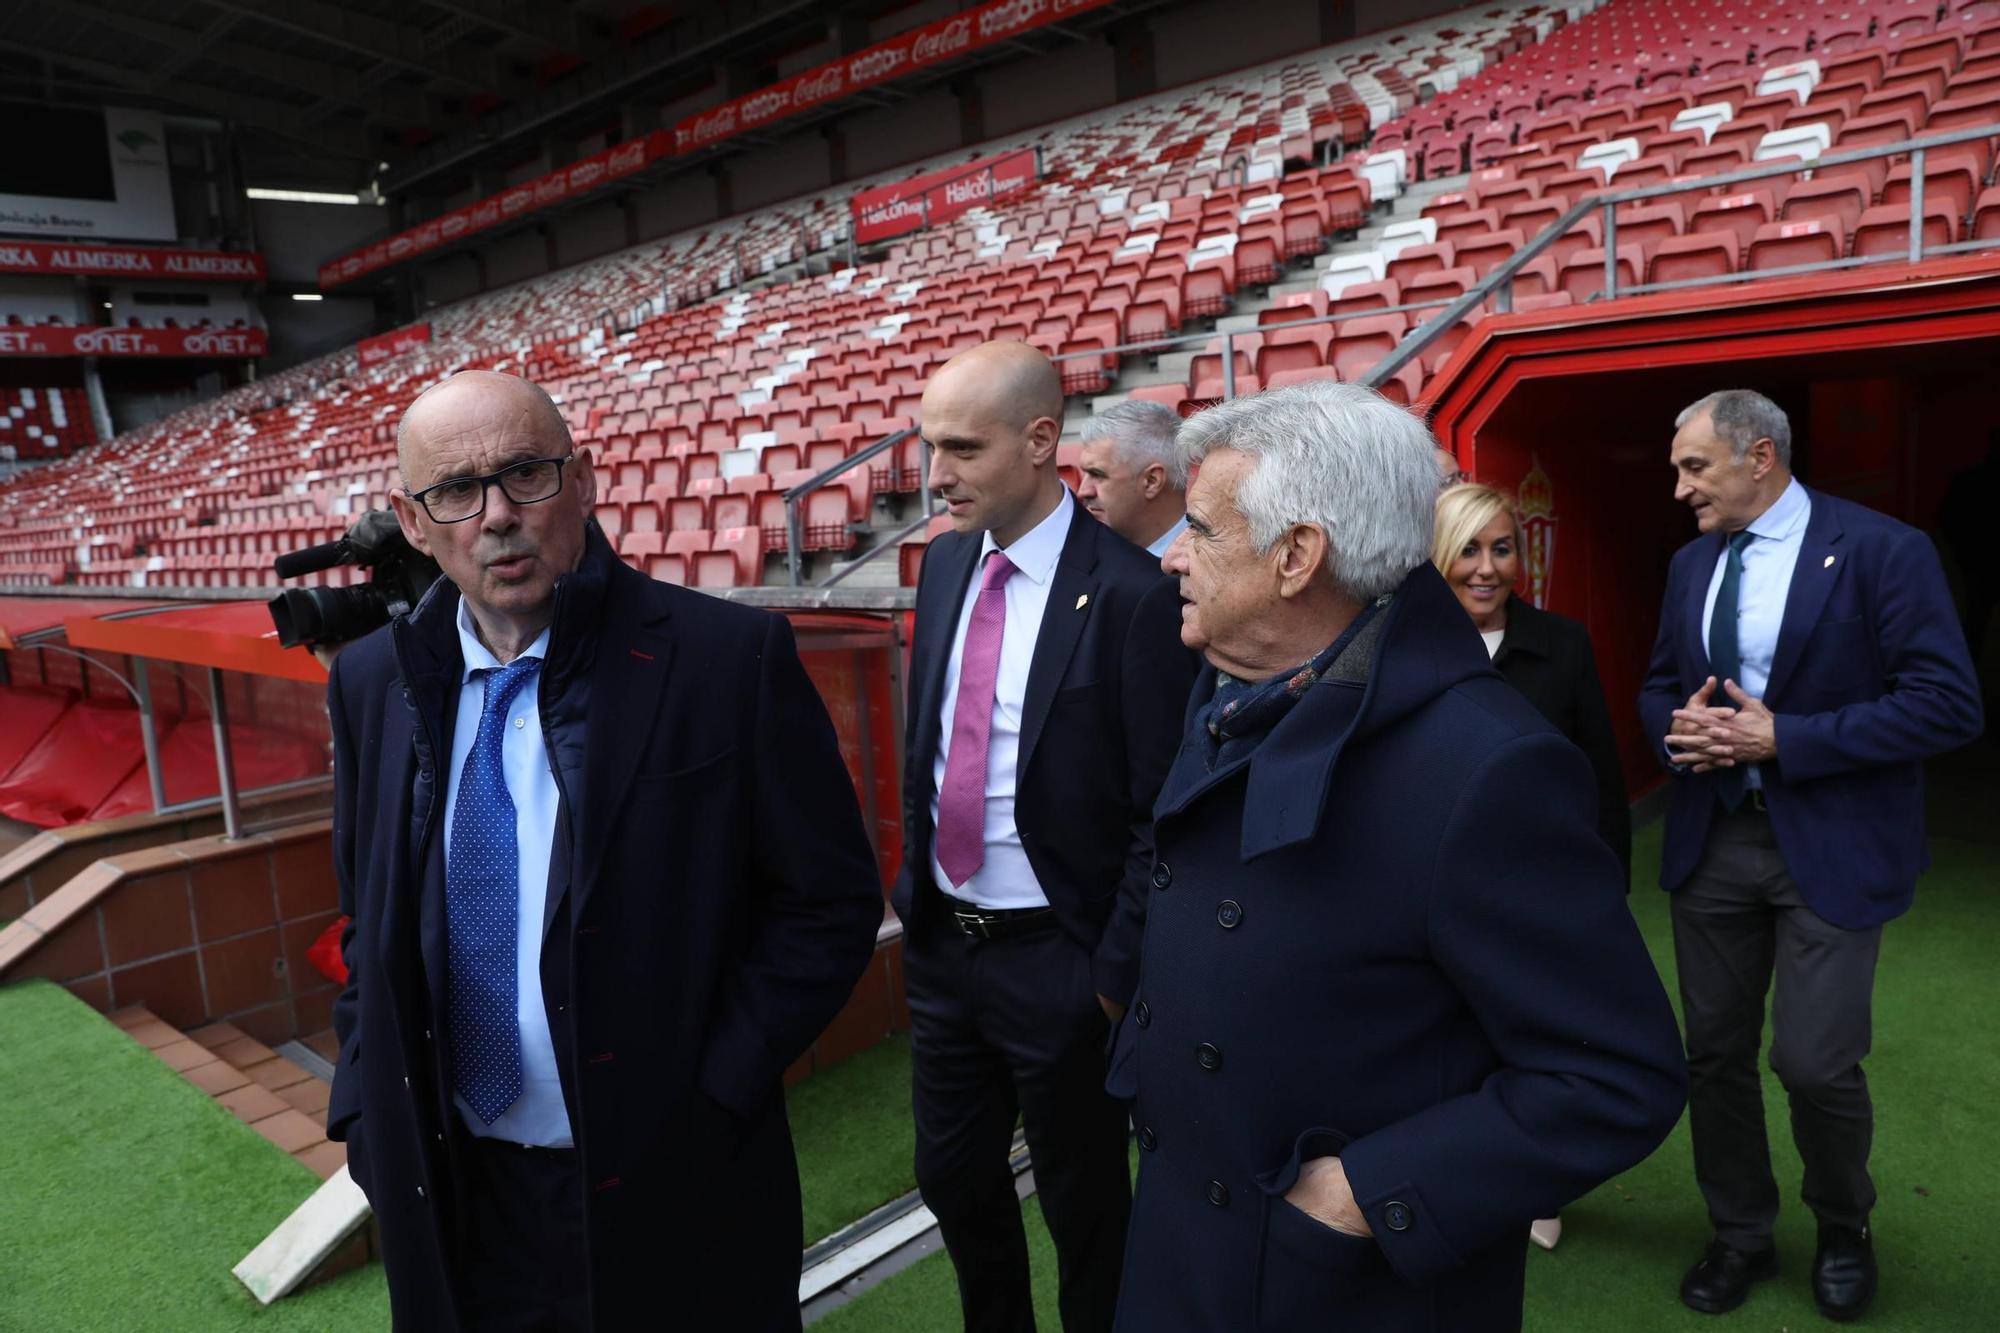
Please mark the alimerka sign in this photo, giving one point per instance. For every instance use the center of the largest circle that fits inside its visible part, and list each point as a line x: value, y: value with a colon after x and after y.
x: 50, y: 340
x: 121, y: 261
x: 947, y: 39
x: 939, y: 196
x: 395, y: 342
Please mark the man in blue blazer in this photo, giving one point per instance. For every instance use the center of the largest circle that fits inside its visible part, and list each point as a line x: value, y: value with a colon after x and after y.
x: 1047, y: 678
x: 1808, y: 661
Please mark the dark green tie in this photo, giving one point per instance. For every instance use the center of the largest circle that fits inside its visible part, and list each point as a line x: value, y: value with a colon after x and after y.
x: 1725, y: 659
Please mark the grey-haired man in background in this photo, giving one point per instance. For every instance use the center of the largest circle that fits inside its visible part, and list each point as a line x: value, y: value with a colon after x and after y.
x: 1134, y: 479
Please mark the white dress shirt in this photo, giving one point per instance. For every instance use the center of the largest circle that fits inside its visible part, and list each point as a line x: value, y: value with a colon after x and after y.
x: 1780, y: 533
x: 1004, y: 879
x: 1158, y: 546
x: 538, y: 1116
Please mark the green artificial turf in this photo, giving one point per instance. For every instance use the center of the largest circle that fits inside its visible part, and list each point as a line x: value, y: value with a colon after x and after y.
x: 1935, y: 1075
x: 855, y: 1140
x: 127, y: 1195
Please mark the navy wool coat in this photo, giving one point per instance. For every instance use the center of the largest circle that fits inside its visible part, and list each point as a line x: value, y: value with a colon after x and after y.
x: 712, y: 901
x: 1391, y: 935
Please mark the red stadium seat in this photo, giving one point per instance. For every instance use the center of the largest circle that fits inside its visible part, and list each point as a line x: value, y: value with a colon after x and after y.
x: 1782, y: 244
x: 1360, y: 342
x: 1885, y: 230
x: 1700, y: 255
x: 1582, y: 275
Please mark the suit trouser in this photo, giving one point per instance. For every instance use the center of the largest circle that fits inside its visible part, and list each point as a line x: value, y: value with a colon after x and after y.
x: 1738, y: 921
x: 522, y: 1264
x: 1000, y: 1027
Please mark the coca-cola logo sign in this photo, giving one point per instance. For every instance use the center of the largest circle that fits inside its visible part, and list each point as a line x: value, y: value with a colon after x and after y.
x: 585, y: 174
x: 818, y: 86
x: 949, y: 40
x: 628, y: 157
x: 486, y: 212
x: 515, y: 200
x: 716, y: 124
x: 549, y: 189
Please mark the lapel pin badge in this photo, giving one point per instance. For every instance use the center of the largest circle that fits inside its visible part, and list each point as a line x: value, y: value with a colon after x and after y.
x: 1082, y: 601
x: 1828, y: 564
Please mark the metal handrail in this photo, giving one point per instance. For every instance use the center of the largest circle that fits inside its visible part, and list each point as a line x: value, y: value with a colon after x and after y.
x: 1501, y: 278
x: 795, y: 498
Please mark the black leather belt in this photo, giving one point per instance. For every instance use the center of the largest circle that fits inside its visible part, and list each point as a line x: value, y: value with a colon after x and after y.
x: 1002, y: 923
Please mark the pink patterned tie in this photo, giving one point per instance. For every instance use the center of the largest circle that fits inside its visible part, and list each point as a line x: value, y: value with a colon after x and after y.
x: 961, y: 825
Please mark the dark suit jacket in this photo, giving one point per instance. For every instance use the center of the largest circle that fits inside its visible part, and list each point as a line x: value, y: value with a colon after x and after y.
x: 1099, y: 726
x: 1871, y: 677
x: 715, y: 900
x: 1390, y: 934
x: 1547, y: 657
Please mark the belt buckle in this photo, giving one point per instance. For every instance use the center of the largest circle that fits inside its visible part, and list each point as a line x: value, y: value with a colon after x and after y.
x: 975, y: 924
x: 1758, y: 801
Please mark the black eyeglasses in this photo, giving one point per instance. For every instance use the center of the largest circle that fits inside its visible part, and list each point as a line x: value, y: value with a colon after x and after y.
x: 460, y: 498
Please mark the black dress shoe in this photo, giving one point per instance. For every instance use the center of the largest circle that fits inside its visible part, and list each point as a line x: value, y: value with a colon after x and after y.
x: 1843, y: 1276
x: 1719, y: 1283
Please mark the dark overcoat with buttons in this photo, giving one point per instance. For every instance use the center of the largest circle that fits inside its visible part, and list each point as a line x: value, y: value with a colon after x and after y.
x: 1391, y: 934
x: 712, y: 901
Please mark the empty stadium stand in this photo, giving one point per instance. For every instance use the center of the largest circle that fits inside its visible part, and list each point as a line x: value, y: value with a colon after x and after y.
x: 1294, y: 221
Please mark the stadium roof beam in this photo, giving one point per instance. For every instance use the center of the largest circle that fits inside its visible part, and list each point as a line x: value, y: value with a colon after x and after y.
x: 250, y: 112
x: 545, y: 23
x: 380, y: 39
x: 620, y: 72
x: 312, y: 77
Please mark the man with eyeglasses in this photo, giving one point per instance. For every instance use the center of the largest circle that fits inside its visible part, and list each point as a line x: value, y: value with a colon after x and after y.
x: 607, y: 880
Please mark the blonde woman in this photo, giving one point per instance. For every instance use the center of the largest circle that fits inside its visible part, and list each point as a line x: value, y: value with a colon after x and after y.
x: 1545, y: 656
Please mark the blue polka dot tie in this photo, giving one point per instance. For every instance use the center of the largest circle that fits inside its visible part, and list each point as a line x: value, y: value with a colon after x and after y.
x: 482, y: 888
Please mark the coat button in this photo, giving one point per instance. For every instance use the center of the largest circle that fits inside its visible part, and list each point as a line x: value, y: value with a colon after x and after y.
x: 1229, y: 913
x: 1148, y: 1139
x: 1398, y: 1215
x: 1142, y: 1014
x: 1162, y: 876
x: 1208, y: 1057
x: 406, y: 1083
x: 420, y: 1191
x: 1218, y: 1194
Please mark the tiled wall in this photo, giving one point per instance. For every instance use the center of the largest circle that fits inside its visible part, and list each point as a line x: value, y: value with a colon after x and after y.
x: 198, y: 932
x: 209, y: 931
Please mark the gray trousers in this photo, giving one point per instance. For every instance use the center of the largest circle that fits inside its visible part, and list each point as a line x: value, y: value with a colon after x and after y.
x: 1738, y: 921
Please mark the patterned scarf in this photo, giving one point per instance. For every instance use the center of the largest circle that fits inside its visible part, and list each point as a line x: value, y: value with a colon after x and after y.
x: 1242, y: 712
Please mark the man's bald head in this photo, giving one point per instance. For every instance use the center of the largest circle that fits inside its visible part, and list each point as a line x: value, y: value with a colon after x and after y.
x: 1012, y: 380
x: 506, y: 554
x: 478, y: 401
x: 991, y: 417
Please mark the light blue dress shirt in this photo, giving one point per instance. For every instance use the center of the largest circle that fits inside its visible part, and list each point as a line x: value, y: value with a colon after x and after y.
x: 538, y: 1116
x: 1780, y: 533
x: 1159, y: 544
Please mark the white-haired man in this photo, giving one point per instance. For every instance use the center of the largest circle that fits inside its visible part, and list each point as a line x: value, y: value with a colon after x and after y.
x: 1391, y: 1004
x: 1134, y: 478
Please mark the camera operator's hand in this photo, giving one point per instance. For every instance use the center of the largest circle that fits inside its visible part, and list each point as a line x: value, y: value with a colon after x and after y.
x: 326, y: 652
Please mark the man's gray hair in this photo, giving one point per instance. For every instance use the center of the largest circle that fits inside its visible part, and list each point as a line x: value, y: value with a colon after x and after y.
x: 1141, y: 434
x: 1338, y: 457
x: 1741, y: 417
